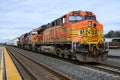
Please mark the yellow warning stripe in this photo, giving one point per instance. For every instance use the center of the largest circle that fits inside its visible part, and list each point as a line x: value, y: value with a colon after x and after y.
x: 11, y: 71
x: 1, y: 67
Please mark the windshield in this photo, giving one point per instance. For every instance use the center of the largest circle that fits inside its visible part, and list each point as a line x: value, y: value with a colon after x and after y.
x: 75, y: 18
x: 90, y: 18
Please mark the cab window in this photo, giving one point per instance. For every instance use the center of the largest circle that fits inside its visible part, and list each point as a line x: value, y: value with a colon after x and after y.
x: 63, y: 20
x: 75, y: 18
x: 90, y: 18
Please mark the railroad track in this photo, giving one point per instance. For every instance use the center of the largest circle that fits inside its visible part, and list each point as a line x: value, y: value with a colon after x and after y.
x: 32, y: 74
x: 110, y: 69
x: 112, y: 56
x: 114, y: 70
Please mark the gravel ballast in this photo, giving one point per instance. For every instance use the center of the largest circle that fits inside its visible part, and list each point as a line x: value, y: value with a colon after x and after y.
x: 75, y: 72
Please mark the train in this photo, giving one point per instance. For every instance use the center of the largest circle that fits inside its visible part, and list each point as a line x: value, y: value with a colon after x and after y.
x: 113, y: 43
x: 13, y: 42
x: 75, y: 35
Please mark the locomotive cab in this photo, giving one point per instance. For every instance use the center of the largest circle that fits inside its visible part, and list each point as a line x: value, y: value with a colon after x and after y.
x: 87, y: 37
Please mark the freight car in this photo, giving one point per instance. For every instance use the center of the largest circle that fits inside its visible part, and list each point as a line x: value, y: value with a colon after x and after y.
x: 13, y: 42
x: 77, y: 35
x: 112, y: 43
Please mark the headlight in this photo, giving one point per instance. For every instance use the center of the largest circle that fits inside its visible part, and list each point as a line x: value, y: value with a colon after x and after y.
x: 85, y: 39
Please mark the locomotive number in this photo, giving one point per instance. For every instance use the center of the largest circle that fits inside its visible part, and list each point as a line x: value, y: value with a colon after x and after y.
x: 93, y: 32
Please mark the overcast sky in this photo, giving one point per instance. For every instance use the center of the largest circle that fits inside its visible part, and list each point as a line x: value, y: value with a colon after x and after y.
x: 21, y: 16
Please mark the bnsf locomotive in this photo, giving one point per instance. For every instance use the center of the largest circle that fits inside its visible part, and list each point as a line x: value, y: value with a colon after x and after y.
x: 77, y: 35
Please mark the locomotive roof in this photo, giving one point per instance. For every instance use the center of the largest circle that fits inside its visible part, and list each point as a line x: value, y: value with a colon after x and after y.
x: 45, y: 26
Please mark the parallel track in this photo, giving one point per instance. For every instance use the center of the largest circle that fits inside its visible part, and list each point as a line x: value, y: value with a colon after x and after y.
x: 115, y: 70
x: 113, y: 56
x: 60, y: 76
x: 30, y: 75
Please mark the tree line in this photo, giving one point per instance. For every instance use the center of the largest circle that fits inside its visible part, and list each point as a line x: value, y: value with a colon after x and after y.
x: 112, y: 34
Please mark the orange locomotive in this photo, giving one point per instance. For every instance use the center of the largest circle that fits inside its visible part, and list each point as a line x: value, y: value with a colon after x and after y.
x: 77, y: 35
